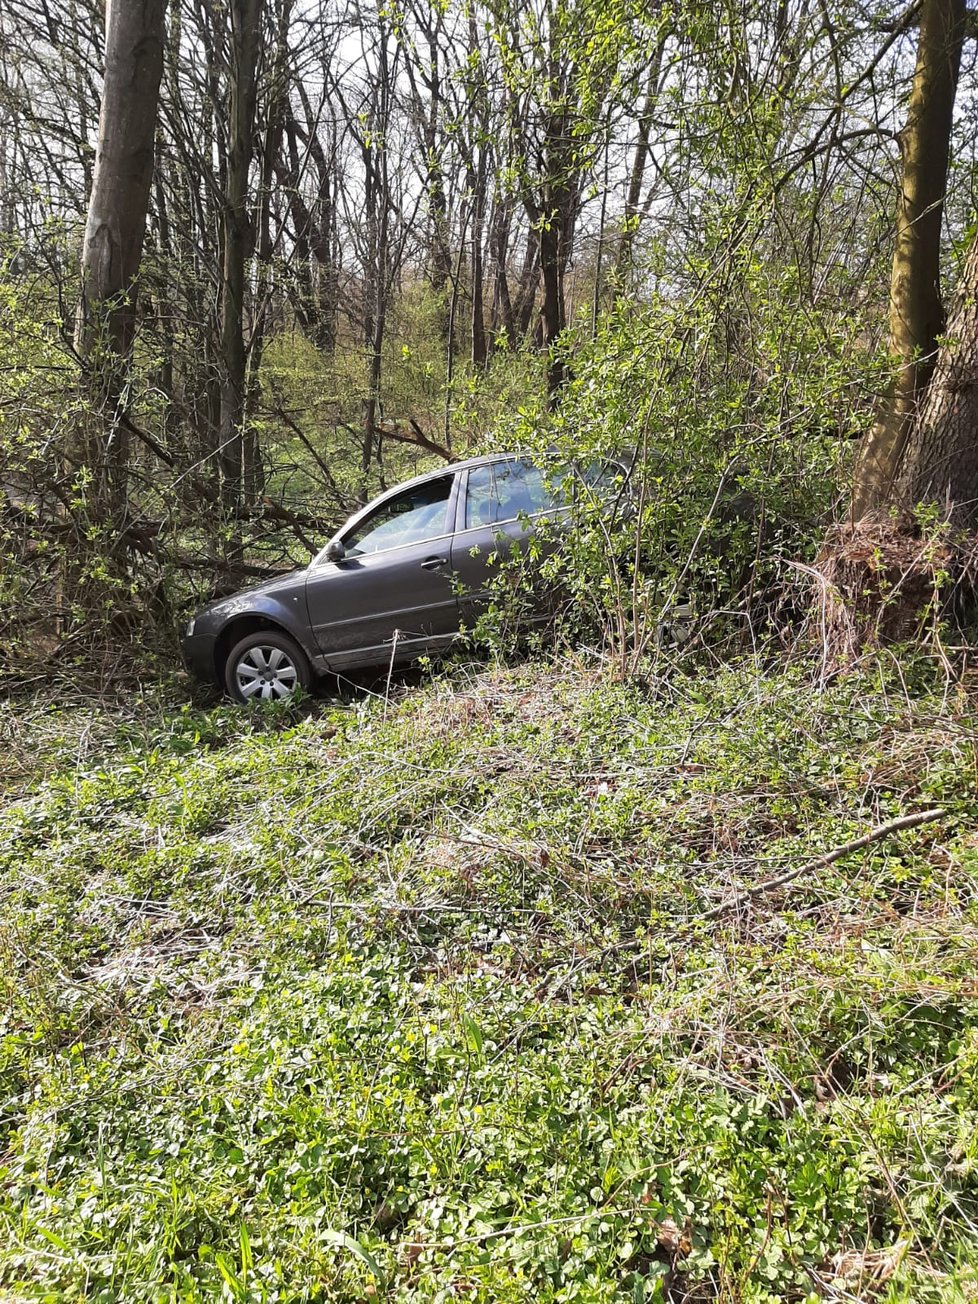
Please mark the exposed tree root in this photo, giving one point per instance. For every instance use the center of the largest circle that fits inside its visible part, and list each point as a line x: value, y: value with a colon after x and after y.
x: 882, y: 580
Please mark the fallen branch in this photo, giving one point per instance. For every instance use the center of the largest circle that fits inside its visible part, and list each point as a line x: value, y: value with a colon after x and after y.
x: 221, y: 566
x: 829, y: 858
x: 418, y: 438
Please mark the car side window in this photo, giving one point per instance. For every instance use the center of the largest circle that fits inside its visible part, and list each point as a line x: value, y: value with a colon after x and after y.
x: 601, y: 477
x: 481, y: 504
x: 411, y: 517
x: 504, y: 491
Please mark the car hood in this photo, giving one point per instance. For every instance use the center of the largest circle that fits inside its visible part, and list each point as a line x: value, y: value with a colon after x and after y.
x: 280, y: 587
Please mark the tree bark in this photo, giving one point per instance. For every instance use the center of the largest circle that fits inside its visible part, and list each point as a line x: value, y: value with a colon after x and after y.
x: 476, y: 153
x: 527, y: 288
x: 114, y: 233
x: 916, y: 316
x: 554, y: 225
x: 377, y: 210
x: 940, y: 463
x: 503, y: 320
x: 480, y: 349
x: 245, y: 45
x: 552, y: 308
x: 252, y: 469
x: 441, y: 254
x: 640, y: 156
x: 315, y: 291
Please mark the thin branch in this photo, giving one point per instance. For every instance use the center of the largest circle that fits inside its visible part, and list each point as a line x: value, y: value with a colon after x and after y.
x: 830, y: 857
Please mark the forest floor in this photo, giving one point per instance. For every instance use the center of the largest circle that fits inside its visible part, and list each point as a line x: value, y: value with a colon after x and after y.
x: 463, y: 996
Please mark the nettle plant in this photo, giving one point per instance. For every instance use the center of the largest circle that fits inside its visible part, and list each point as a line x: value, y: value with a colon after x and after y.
x: 735, y: 458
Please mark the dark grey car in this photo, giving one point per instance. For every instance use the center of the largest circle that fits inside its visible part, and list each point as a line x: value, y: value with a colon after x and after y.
x: 397, y: 581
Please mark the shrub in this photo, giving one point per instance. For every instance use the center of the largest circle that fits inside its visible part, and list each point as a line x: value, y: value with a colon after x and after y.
x: 736, y: 452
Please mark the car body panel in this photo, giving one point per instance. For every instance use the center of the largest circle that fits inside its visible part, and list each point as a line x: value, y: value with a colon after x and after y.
x: 407, y: 596
x: 481, y: 551
x: 198, y: 654
x: 358, y: 606
x: 396, y: 601
x: 280, y: 601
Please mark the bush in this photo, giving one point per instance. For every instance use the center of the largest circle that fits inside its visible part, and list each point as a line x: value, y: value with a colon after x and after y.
x: 736, y: 449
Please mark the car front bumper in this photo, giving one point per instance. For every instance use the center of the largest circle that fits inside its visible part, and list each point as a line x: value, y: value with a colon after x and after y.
x: 198, y: 654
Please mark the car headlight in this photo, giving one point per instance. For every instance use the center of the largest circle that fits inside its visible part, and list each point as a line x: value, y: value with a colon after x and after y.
x: 190, y: 626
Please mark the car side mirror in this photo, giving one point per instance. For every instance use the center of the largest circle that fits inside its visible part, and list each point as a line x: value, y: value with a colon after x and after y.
x: 335, y: 551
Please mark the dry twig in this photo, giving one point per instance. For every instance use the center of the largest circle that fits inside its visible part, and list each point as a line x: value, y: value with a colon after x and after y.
x: 829, y: 858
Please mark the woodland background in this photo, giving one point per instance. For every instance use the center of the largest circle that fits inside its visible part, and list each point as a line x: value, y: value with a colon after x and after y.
x: 379, y: 236
x: 640, y: 970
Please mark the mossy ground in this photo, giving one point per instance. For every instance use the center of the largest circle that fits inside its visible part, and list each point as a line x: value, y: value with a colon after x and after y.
x: 417, y: 1001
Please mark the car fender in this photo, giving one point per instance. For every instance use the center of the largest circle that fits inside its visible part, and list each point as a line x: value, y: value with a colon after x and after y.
x: 286, y: 609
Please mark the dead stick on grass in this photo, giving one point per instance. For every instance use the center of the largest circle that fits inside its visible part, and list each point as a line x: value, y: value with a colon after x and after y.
x: 874, y: 835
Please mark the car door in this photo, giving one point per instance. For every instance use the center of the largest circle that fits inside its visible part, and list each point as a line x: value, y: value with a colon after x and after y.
x: 393, y: 588
x: 503, y: 504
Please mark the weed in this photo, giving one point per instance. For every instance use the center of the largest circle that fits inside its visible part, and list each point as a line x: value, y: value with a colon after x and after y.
x: 419, y: 1001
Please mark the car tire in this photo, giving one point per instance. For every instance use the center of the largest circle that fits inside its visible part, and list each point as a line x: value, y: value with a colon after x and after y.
x: 266, y: 667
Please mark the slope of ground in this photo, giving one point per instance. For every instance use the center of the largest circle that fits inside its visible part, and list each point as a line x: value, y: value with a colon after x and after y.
x: 432, y: 1001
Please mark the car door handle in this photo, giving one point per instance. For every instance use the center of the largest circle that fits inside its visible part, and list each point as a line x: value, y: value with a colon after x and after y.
x: 432, y: 563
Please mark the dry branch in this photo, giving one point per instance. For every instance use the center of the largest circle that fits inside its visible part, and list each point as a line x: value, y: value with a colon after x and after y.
x: 829, y: 858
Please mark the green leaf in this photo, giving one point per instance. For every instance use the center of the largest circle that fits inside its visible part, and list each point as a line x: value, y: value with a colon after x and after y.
x: 346, y: 1242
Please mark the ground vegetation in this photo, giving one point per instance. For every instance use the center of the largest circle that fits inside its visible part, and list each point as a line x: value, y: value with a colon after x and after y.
x: 530, y: 986
x: 643, y: 969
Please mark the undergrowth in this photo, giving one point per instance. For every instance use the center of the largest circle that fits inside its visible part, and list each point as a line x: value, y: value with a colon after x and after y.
x: 418, y: 1001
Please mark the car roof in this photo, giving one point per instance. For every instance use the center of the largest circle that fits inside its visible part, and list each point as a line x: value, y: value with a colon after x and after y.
x: 483, y: 460
x: 451, y: 467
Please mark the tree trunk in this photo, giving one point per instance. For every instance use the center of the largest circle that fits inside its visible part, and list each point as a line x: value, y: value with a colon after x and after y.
x: 377, y: 210
x: 253, y: 471
x: 324, y: 244
x: 314, y: 289
x: 916, y: 315
x: 503, y: 319
x: 8, y: 170
x: 480, y: 350
x: 114, y: 235
x: 552, y: 308
x: 883, y: 577
x: 555, y: 234
x: 940, y: 463
x: 527, y: 289
x: 245, y: 44
x: 441, y: 254
x: 640, y: 156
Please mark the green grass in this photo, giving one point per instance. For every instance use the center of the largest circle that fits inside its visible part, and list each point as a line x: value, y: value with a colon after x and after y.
x: 416, y: 1001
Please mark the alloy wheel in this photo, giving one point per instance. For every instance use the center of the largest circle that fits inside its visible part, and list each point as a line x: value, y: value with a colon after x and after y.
x: 266, y: 673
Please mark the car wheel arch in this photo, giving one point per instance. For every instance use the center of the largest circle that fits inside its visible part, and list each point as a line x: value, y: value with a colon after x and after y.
x: 238, y: 627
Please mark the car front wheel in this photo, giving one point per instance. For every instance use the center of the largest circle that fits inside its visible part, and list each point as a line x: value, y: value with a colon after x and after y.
x: 265, y: 667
